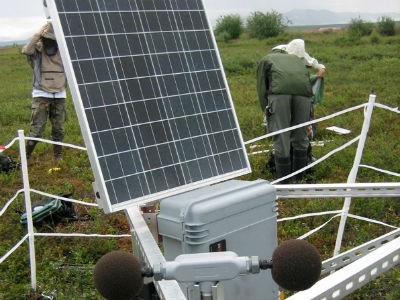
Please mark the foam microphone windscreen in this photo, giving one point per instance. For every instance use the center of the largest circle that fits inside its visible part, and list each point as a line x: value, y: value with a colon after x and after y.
x: 117, y: 275
x: 296, y: 265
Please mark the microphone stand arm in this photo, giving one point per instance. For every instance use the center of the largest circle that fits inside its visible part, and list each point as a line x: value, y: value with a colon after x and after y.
x: 207, y: 269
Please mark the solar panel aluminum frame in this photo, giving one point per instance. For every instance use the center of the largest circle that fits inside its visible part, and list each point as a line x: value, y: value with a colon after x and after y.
x: 100, y: 188
x: 52, y: 14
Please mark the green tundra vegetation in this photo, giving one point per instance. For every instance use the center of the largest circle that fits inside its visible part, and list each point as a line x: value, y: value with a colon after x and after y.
x: 356, y: 67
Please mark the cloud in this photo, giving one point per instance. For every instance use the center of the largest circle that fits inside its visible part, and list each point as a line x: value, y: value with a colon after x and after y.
x: 17, y: 29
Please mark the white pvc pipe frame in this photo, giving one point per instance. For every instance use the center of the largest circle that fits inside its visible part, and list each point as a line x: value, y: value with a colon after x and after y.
x: 27, y: 190
x: 354, y: 170
x: 351, y: 179
x: 28, y: 205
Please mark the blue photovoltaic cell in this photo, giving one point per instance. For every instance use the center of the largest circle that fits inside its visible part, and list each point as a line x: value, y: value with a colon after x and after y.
x: 155, y: 102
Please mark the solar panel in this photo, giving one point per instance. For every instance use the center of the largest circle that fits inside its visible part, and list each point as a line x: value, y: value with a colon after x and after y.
x: 151, y: 97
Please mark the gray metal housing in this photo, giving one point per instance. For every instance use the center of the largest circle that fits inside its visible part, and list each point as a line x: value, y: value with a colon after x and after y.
x: 239, y: 214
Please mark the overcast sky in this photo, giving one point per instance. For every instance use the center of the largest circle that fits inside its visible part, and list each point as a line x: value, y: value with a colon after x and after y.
x: 19, y: 19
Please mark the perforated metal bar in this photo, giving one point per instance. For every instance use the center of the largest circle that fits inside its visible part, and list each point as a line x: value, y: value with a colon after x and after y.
x: 352, y: 255
x: 354, y: 276
x: 338, y: 190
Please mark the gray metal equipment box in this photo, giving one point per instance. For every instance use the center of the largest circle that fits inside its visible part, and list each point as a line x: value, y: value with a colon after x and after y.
x: 235, y: 215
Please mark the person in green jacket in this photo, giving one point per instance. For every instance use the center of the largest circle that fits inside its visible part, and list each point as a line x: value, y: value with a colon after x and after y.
x: 285, y: 94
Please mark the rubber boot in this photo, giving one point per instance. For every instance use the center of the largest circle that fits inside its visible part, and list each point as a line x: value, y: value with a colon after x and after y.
x: 300, y: 160
x: 283, y: 167
x: 57, y: 150
x: 30, y: 146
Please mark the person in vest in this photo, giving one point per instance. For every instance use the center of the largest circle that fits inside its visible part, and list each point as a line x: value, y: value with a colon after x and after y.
x: 48, y: 93
x: 285, y: 93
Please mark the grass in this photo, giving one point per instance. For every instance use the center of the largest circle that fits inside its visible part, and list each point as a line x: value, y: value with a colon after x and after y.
x: 354, y: 69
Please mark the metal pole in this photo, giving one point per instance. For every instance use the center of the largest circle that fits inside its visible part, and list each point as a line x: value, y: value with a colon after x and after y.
x: 28, y: 207
x: 151, y: 254
x: 353, y: 173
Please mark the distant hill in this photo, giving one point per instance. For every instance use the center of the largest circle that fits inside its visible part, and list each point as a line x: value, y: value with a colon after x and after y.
x: 12, y: 43
x: 325, y: 17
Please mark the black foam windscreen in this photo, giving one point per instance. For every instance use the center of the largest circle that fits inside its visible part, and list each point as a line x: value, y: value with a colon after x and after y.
x: 117, y: 276
x: 296, y: 265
